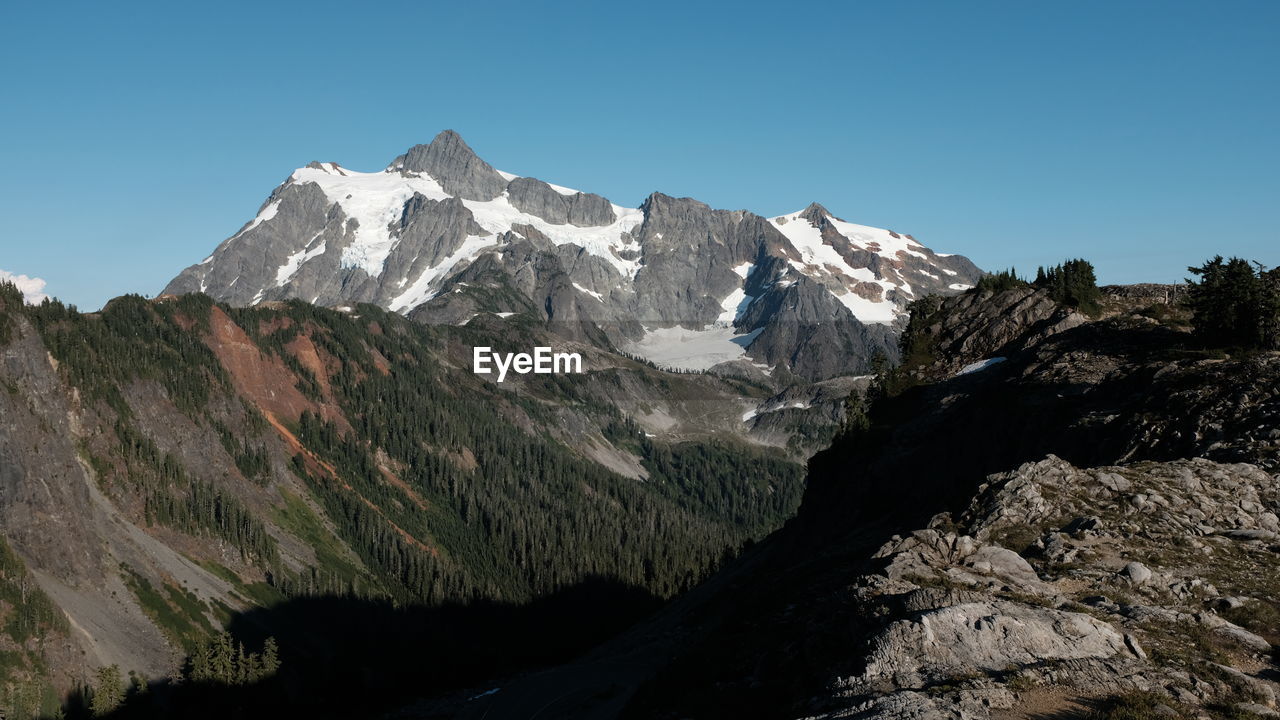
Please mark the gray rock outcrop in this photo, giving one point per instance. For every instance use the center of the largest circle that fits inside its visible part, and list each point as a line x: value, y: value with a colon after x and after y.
x: 538, y: 198
x: 970, y: 615
x: 453, y: 164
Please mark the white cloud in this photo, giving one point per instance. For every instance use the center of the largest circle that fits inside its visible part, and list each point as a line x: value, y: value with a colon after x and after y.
x: 32, y: 288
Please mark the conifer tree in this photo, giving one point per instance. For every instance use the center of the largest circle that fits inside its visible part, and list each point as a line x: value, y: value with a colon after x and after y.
x: 1072, y: 283
x: 1235, y: 303
x: 108, y: 691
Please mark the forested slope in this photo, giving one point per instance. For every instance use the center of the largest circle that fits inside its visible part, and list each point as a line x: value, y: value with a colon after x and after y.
x: 172, y: 465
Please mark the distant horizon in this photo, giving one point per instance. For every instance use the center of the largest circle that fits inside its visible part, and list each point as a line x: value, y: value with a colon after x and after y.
x: 1140, y: 137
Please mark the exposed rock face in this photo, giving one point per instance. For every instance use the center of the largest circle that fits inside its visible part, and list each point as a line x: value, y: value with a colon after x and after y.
x: 36, y: 441
x: 973, y: 327
x: 538, y: 198
x: 1048, y: 618
x: 984, y: 637
x: 455, y: 166
x: 806, y: 291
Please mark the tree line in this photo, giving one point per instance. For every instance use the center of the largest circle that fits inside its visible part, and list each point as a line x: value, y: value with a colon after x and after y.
x: 1072, y: 283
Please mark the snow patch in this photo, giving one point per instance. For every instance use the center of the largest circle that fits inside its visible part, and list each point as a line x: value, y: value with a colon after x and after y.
x: 592, y: 293
x: 734, y: 306
x: 871, y: 312
x: 374, y: 200
x: 264, y: 215
x: 815, y: 252
x: 979, y: 366
x: 563, y: 190
x: 422, y: 290
x: 684, y: 349
x: 296, y: 260
x: 605, y: 241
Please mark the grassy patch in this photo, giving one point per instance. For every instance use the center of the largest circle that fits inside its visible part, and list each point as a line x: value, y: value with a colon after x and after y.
x: 258, y: 593
x: 262, y: 594
x: 1016, y: 537
x: 188, y: 604
x: 218, y: 569
x: 297, y: 519
x: 180, y: 616
x: 1140, y: 706
x: 1259, y: 616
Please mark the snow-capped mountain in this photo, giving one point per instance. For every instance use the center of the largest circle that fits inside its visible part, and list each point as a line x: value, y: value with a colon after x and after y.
x: 442, y: 235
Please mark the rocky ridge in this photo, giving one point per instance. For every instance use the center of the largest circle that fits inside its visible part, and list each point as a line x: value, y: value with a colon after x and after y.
x: 1085, y: 583
x: 1085, y: 526
x: 443, y: 235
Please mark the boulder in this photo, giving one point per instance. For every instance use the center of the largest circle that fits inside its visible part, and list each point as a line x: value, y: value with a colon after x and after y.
x: 1136, y: 573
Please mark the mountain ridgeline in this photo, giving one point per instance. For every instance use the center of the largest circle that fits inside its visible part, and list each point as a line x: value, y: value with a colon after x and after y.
x: 169, y: 466
x: 1063, y: 500
x: 443, y: 236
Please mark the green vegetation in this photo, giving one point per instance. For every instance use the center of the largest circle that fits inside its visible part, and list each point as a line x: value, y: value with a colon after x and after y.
x: 298, y: 520
x: 108, y: 690
x: 1262, y: 616
x: 422, y: 484
x: 220, y: 659
x: 467, y: 504
x: 30, y: 613
x: 172, y: 499
x: 1072, y: 283
x: 998, y: 282
x: 177, y: 612
x: 746, y: 487
x: 1141, y: 706
x: 10, y: 299
x: 129, y: 339
x: 250, y: 457
x: 1235, y: 304
x: 29, y: 620
x: 28, y: 700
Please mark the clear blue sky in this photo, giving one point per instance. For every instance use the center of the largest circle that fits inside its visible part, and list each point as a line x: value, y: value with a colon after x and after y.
x: 1143, y: 135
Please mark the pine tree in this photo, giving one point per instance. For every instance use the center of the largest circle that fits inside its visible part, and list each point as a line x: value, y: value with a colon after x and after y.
x: 108, y: 692
x: 270, y: 657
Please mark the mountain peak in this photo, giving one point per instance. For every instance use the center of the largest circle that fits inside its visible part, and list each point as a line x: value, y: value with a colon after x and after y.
x: 815, y: 213
x: 452, y: 163
x: 451, y: 138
